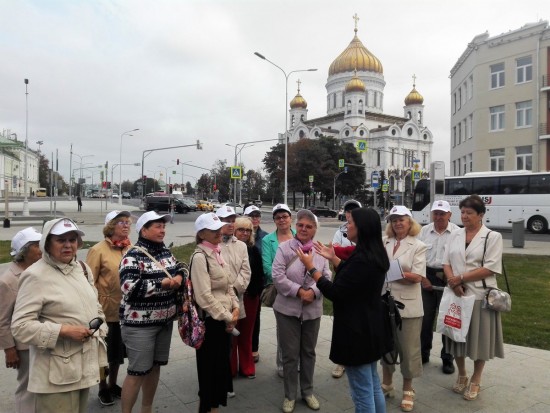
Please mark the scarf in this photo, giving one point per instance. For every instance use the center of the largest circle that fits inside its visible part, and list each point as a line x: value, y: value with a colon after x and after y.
x: 217, y: 251
x: 307, y: 247
x: 121, y: 244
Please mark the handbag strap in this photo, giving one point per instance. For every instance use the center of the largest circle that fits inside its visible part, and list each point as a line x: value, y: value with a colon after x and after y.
x: 152, y: 259
x: 503, y: 267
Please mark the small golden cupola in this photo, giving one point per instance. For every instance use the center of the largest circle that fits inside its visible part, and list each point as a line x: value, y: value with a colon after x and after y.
x: 414, y: 98
x: 298, y: 101
x: 355, y: 84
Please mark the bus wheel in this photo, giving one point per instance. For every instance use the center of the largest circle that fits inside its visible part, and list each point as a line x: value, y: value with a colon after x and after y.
x: 537, y: 225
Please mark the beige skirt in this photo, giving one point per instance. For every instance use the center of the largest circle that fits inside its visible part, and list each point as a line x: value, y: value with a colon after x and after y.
x: 484, y: 340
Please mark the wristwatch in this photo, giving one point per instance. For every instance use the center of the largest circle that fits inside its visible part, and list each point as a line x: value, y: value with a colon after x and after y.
x: 312, y: 271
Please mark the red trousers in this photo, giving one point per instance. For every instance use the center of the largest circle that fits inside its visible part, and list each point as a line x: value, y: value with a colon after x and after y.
x: 241, y: 350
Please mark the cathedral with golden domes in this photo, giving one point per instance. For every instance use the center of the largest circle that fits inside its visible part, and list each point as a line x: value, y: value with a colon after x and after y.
x: 355, y: 114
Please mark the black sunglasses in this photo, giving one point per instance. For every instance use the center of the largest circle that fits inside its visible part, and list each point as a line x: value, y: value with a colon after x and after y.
x: 95, y: 324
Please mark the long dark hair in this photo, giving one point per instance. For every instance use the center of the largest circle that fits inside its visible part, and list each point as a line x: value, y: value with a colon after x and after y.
x: 369, y: 236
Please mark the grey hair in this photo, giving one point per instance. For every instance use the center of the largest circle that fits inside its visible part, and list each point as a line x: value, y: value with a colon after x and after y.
x: 20, y: 256
x: 307, y: 214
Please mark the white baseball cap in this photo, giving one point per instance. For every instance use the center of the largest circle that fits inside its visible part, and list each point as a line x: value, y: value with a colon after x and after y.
x: 22, y: 238
x: 251, y: 209
x: 281, y: 207
x: 225, y: 211
x: 150, y: 216
x: 441, y: 206
x: 65, y: 225
x: 209, y: 221
x: 115, y: 214
x: 400, y: 210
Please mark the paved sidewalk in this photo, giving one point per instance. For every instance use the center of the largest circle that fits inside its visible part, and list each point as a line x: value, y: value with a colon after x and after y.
x: 518, y: 383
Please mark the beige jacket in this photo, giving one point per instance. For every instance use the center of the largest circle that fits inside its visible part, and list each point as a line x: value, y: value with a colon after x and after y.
x: 50, y: 295
x: 9, y: 281
x: 104, y: 260
x: 235, y: 254
x: 412, y: 258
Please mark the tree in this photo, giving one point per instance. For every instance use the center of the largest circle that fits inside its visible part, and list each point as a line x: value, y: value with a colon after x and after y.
x: 44, y: 172
x: 221, y: 178
x: 274, y: 161
x: 204, y: 185
x: 254, y: 185
x: 189, y: 190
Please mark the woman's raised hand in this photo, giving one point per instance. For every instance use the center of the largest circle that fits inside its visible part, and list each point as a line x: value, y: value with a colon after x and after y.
x: 326, y: 251
x: 307, y: 259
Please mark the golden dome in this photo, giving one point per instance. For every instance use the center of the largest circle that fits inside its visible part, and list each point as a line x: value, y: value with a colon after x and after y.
x: 298, y: 101
x: 355, y: 57
x: 355, y: 84
x: 414, y: 98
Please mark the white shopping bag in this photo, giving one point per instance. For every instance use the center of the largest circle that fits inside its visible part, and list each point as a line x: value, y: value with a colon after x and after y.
x: 454, y: 315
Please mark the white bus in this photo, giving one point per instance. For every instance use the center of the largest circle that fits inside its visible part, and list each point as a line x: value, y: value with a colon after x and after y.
x: 509, y: 196
x: 41, y: 192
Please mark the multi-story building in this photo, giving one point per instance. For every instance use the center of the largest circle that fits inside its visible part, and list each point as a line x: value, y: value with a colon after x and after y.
x: 12, y: 166
x: 500, y: 102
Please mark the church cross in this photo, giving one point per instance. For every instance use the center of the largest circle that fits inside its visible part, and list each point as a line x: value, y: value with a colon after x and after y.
x: 414, y: 80
x: 356, y: 18
x: 299, y: 82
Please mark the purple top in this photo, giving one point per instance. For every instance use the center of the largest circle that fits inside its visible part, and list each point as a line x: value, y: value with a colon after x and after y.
x: 288, y: 281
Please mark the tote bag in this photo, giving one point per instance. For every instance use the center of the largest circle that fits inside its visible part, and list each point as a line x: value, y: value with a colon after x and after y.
x: 455, y: 314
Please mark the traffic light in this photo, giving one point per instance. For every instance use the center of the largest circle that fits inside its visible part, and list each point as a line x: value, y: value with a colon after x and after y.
x: 177, y: 161
x: 104, y: 184
x: 170, y: 186
x: 108, y: 185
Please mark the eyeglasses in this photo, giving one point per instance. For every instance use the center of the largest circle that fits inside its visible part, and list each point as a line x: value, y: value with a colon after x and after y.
x: 281, y: 217
x: 124, y: 223
x: 62, y: 241
x: 95, y: 324
x: 244, y: 230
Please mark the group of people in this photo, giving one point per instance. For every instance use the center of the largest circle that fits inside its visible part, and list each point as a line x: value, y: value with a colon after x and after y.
x: 67, y: 325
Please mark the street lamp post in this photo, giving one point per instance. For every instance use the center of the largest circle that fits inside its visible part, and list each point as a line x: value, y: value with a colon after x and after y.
x: 81, y: 164
x: 237, y: 152
x: 286, y: 114
x: 120, y: 163
x: 25, y: 177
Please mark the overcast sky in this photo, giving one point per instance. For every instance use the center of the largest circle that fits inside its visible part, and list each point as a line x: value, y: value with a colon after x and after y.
x: 186, y: 70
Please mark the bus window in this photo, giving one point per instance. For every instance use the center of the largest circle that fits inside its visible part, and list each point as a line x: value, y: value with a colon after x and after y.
x: 513, y: 185
x: 485, y: 186
x: 458, y: 186
x: 539, y: 184
x: 421, y: 195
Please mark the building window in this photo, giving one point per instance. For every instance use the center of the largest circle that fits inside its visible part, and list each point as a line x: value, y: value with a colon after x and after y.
x: 459, y: 98
x: 470, y: 163
x: 459, y: 133
x: 361, y: 132
x: 361, y: 106
x: 378, y: 160
x: 524, y: 114
x: 454, y: 102
x: 393, y: 156
x: 497, y: 75
x: 467, y: 127
x: 410, y: 131
x: 347, y: 133
x: 524, y: 158
x: 471, y: 88
x: 464, y: 168
x: 497, y: 118
x: 471, y: 118
x: 302, y: 134
x: 496, y: 158
x: 465, y: 93
x: 343, y: 100
x: 393, y: 132
x: 524, y: 69
x: 349, y: 107
x: 334, y: 100
x: 454, y: 136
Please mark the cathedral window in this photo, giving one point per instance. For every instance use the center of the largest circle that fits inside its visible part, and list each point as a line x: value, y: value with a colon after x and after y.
x: 361, y: 132
x: 347, y: 133
x: 349, y: 107
x: 302, y: 134
x: 361, y: 106
x: 410, y: 131
x: 409, y: 115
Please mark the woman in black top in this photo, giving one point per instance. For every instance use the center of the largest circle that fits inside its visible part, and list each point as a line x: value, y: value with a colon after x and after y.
x: 358, y: 335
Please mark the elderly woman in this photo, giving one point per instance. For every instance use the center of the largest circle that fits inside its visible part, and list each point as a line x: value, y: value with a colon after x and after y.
x: 25, y: 252
x: 298, y: 309
x: 401, y: 245
x: 149, y: 278
x: 57, y: 313
x: 214, y: 293
x: 358, y: 334
x: 283, y: 232
x: 473, y: 258
x: 242, y: 344
x: 104, y: 259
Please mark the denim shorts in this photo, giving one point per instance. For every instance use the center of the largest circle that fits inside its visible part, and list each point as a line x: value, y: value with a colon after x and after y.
x: 146, y: 347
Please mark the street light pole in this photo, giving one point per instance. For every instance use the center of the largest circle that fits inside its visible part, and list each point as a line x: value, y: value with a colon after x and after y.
x: 120, y: 163
x: 286, y: 115
x: 25, y: 184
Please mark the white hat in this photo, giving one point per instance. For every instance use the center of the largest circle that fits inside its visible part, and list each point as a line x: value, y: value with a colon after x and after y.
x: 351, y: 204
x: 22, y: 238
x: 208, y: 221
x: 251, y: 209
x: 399, y: 210
x: 225, y: 211
x: 115, y: 214
x: 63, y: 226
x: 281, y: 207
x: 441, y: 206
x: 150, y: 216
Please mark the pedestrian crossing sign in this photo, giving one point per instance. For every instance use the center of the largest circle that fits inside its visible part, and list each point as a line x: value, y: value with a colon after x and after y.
x: 236, y: 172
x: 361, y: 146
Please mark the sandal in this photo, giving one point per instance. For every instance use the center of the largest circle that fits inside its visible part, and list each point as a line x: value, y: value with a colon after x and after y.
x: 473, y: 391
x: 388, y: 390
x: 407, y: 405
x: 461, y: 384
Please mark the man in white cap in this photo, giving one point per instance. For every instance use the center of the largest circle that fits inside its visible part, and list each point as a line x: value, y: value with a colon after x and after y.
x: 25, y: 252
x: 234, y: 253
x: 435, y: 236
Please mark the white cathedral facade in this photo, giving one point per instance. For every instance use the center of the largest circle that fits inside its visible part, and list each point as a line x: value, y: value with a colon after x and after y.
x: 355, y: 114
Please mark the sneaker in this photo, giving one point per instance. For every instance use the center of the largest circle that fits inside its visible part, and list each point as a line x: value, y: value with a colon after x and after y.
x: 116, y: 391
x: 312, y: 402
x: 231, y: 394
x: 105, y: 397
x: 288, y: 406
x: 338, y: 371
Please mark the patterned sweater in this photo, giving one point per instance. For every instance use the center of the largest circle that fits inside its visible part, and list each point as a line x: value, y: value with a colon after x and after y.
x: 144, y: 303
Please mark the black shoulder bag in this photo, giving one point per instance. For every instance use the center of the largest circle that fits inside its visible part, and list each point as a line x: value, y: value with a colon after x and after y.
x: 392, y: 322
